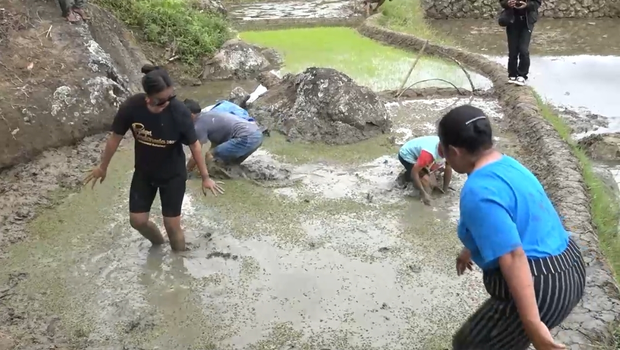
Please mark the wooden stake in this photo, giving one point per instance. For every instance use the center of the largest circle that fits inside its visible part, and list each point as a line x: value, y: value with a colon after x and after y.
x: 402, y: 86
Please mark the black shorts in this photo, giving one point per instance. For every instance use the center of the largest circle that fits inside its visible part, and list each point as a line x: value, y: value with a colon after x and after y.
x: 408, y: 166
x: 143, y: 190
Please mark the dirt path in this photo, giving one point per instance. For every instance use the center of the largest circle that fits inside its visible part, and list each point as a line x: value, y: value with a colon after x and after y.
x: 345, y: 259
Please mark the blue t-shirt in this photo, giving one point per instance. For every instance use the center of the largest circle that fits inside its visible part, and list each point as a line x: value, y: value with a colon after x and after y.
x: 412, y: 149
x: 503, y: 207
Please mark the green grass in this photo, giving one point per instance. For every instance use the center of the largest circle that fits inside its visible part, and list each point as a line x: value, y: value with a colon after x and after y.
x: 366, y: 61
x: 604, y: 208
x: 408, y: 16
x: 178, y: 25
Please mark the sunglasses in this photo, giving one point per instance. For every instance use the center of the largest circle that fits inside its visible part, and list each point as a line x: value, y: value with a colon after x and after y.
x: 159, y: 103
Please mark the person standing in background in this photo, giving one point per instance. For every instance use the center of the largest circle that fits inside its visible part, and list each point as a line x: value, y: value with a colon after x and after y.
x: 73, y: 10
x: 519, y: 34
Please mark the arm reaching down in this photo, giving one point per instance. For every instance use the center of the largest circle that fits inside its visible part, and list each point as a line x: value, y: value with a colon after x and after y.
x: 120, y: 125
x: 198, y: 160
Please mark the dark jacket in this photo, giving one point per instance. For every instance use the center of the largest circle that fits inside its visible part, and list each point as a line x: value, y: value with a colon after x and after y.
x: 531, y: 11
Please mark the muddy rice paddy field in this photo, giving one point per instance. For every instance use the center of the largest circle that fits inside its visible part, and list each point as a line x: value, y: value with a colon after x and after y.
x: 342, y: 257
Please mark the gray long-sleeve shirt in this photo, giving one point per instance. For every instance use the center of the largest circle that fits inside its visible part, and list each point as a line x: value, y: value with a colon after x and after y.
x: 219, y: 127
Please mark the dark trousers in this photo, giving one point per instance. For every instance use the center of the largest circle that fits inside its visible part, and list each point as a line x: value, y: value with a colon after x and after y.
x: 66, y: 5
x: 559, y: 283
x: 519, y: 36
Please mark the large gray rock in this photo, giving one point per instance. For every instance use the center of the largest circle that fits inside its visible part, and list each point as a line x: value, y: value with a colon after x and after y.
x: 603, y: 147
x: 322, y: 104
x: 66, y: 89
x: 239, y: 60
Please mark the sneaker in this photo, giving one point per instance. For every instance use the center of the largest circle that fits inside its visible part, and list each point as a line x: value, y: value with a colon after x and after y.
x: 520, y: 81
x: 512, y: 80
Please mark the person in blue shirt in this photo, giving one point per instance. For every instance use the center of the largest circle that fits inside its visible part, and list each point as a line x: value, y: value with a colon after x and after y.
x: 532, y: 270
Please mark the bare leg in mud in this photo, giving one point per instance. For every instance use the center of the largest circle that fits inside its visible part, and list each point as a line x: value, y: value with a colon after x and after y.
x: 141, y: 223
x: 175, y: 233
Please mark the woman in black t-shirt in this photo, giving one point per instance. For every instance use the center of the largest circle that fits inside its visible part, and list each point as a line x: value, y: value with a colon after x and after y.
x: 160, y: 125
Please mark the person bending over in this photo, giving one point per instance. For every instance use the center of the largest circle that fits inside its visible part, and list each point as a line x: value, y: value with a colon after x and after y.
x: 421, y: 157
x: 533, y: 271
x: 519, y: 35
x: 233, y: 139
x: 160, y: 125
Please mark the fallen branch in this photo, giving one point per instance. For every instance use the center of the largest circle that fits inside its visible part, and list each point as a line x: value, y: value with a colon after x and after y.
x: 471, y: 83
x: 432, y: 79
x: 402, y: 86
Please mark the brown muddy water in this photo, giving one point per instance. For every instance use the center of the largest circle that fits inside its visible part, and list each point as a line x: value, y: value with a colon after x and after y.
x: 342, y: 259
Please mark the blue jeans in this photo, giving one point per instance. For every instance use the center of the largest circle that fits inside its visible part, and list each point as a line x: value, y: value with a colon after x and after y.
x: 238, y: 149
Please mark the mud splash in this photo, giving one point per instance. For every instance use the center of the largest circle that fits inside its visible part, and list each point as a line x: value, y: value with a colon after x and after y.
x: 344, y: 259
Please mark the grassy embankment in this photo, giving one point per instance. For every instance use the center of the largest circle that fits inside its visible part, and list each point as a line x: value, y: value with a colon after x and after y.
x: 179, y: 26
x: 407, y: 16
x: 603, y: 206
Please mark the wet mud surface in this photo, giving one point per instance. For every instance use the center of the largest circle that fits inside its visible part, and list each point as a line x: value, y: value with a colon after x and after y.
x: 343, y: 259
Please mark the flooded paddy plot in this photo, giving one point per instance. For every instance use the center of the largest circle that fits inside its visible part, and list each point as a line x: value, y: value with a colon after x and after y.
x: 366, y: 61
x: 308, y: 9
x: 343, y: 259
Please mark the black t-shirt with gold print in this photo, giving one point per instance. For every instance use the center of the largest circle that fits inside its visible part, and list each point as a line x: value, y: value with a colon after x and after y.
x: 159, y: 137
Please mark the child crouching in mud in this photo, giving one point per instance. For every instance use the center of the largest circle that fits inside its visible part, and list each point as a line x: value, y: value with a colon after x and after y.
x: 423, y: 160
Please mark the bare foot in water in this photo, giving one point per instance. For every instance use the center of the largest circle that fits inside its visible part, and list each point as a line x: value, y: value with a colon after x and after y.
x: 82, y: 13
x: 72, y: 17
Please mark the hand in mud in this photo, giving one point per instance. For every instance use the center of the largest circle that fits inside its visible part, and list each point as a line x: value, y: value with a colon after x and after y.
x: 541, y: 338
x: 512, y: 3
x: 426, y: 199
x: 96, y: 174
x: 445, y: 189
x: 215, y: 187
x: 520, y: 5
x: 463, y: 262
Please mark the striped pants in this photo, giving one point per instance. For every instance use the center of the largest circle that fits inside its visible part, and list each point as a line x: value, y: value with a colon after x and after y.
x: 559, y: 282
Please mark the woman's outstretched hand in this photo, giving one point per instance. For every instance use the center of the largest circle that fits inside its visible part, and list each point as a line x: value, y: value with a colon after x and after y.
x: 214, y: 186
x: 541, y: 338
x: 97, y: 173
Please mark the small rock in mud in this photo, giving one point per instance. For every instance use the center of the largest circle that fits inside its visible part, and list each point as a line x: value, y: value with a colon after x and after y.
x: 384, y: 250
x: 582, y: 121
x: 414, y: 268
x: 224, y: 256
x: 238, y: 60
x: 268, y: 79
x: 604, y: 147
x: 239, y: 96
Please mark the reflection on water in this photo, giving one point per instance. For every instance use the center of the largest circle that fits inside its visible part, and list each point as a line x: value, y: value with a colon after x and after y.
x: 551, y: 37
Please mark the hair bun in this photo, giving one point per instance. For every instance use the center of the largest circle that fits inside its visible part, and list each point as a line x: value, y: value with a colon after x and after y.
x: 147, y: 68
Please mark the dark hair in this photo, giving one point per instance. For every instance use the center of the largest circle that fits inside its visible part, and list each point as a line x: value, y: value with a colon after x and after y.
x: 155, y: 79
x: 466, y: 127
x: 192, y: 105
